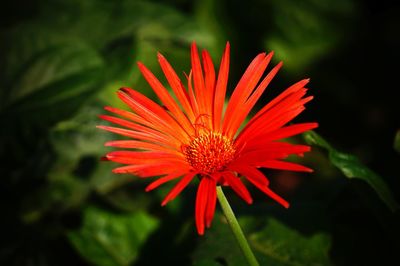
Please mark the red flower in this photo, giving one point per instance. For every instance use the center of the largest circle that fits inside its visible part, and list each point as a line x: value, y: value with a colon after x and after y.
x: 192, y: 135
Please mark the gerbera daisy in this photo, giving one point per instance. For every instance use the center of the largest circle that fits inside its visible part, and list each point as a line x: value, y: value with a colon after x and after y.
x: 191, y: 135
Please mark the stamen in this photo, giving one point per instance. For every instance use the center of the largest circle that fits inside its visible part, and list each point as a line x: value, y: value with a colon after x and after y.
x: 210, y: 152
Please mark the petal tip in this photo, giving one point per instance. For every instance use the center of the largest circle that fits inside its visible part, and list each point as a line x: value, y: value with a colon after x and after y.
x: 104, y: 158
x: 200, y: 230
x: 124, y: 90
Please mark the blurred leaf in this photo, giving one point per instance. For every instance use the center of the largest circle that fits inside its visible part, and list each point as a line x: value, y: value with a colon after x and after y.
x: 397, y: 141
x: 282, y: 245
x: 351, y: 167
x: 55, y: 83
x: 218, y: 246
x: 208, y: 15
x: 304, y: 31
x: 108, y: 239
x: 273, y: 243
x: 61, y: 194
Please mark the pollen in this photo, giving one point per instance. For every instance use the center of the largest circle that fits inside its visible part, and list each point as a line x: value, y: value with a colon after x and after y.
x: 210, y: 152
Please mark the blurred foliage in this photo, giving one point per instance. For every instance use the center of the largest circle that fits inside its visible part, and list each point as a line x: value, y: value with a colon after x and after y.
x: 62, y: 61
x: 108, y: 239
x: 273, y: 243
x: 397, y: 141
x: 351, y: 167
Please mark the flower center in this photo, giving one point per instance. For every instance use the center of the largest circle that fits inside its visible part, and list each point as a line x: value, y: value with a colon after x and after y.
x: 210, y: 152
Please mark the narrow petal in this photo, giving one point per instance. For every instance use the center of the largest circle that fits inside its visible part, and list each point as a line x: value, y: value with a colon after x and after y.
x: 132, y: 125
x: 273, y: 116
x: 243, y: 109
x: 268, y: 192
x: 288, y: 131
x: 141, y: 145
x: 129, y: 115
x: 178, y: 188
x: 150, y: 170
x: 244, y: 88
x: 162, y: 168
x: 236, y: 184
x: 192, y: 97
x: 292, y: 89
x: 198, y: 79
x: 255, y: 155
x: 209, y: 76
x: 153, y: 113
x: 275, y: 164
x: 220, y: 88
x: 253, y: 175
x: 158, y: 138
x: 132, y: 157
x: 211, y: 201
x: 201, y: 204
x: 166, y: 99
x: 246, y: 171
x: 176, y: 86
x: 163, y: 180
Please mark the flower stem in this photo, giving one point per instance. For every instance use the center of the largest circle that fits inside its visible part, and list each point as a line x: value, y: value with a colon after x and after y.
x: 235, y: 227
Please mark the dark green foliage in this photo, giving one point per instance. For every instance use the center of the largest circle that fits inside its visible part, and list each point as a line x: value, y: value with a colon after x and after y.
x: 62, y: 61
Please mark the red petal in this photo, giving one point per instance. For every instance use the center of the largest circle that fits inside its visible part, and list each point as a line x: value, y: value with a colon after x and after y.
x: 132, y: 157
x: 220, y: 88
x: 201, y: 201
x: 163, y: 180
x: 150, y: 170
x: 243, y: 109
x: 255, y: 155
x: 153, y: 113
x: 244, y: 88
x: 135, y: 144
x: 166, y: 98
x: 158, y: 138
x: 178, y: 187
x: 127, y: 114
x: 275, y: 164
x: 130, y: 125
x: 276, y: 114
x: 295, y: 87
x: 254, y: 178
x: 236, y: 184
x: 209, y: 73
x: 269, y: 192
x: 192, y: 97
x: 256, y: 174
x: 198, y: 79
x: 211, y: 201
x: 287, y: 131
x: 176, y: 86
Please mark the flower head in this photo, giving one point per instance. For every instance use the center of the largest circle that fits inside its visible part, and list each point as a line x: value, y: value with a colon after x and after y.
x: 191, y: 134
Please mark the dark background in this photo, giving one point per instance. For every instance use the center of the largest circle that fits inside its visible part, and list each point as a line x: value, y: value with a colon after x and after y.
x: 61, y: 61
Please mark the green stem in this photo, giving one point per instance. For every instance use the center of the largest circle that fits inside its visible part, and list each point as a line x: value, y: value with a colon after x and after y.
x: 235, y: 227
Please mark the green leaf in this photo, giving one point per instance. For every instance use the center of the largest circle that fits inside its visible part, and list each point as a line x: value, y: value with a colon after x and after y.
x: 302, y: 32
x: 351, y: 167
x: 272, y: 242
x: 55, y: 83
x: 62, y: 193
x: 108, y: 239
x: 282, y: 245
x: 218, y: 245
